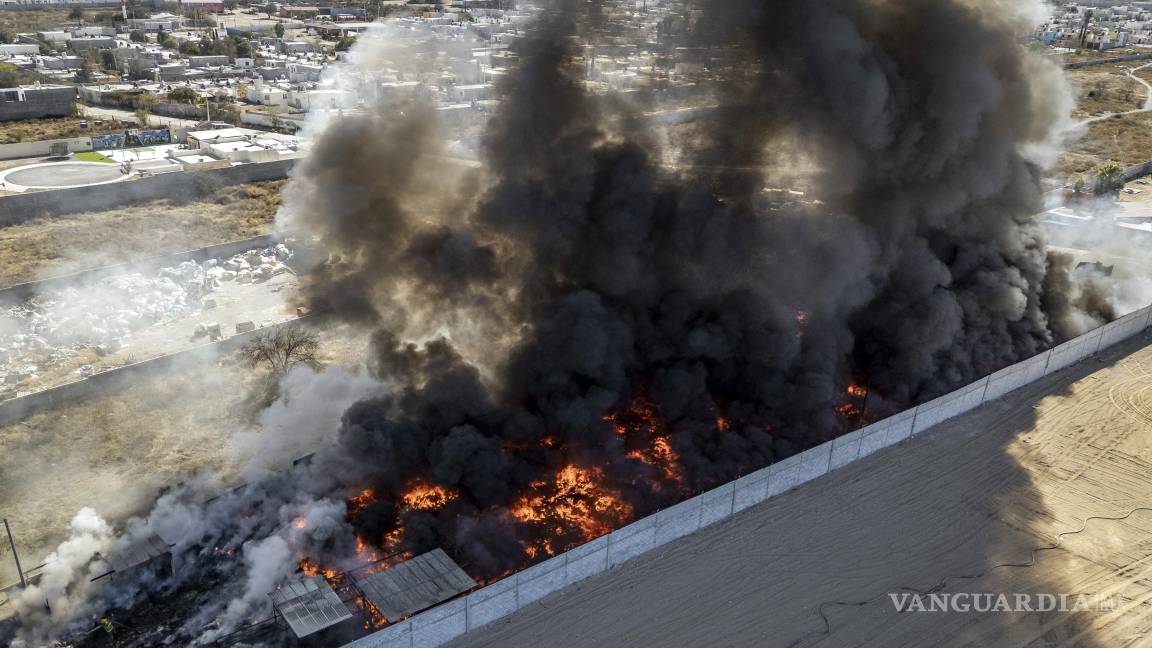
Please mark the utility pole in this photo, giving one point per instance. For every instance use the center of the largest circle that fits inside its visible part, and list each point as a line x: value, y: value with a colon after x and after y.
x: 15, y: 556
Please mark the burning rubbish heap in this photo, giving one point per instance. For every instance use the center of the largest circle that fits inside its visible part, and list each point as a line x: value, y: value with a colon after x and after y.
x: 577, y: 333
x: 58, y: 328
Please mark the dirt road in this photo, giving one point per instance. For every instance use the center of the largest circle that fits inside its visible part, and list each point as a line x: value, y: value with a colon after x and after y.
x: 949, y: 510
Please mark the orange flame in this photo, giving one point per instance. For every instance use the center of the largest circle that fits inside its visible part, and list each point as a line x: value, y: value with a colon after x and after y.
x: 360, y: 501
x: 426, y: 497
x: 574, y: 502
x: 311, y: 567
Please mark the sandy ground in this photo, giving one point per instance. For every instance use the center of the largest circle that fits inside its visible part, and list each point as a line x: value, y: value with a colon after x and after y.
x: 947, y: 509
x: 115, y: 451
x: 264, y: 303
x: 49, y: 247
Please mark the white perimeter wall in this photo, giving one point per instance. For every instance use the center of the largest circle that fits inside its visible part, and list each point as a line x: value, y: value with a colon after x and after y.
x: 452, y: 619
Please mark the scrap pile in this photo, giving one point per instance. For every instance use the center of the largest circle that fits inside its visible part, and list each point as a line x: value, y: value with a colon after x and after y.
x: 97, y: 319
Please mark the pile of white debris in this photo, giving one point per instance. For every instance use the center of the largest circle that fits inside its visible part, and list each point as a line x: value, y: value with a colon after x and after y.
x: 52, y: 328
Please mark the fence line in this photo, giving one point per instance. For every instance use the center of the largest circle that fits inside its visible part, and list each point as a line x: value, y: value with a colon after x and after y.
x: 450, y: 620
x: 21, y: 407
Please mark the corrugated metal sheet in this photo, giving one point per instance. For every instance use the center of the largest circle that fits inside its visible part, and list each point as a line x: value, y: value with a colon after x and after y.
x: 137, y: 553
x: 309, y: 604
x: 415, y: 584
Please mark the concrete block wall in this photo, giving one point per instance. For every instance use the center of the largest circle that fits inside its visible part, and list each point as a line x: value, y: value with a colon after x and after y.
x: 19, y: 408
x: 450, y: 620
x: 187, y: 185
x: 43, y: 147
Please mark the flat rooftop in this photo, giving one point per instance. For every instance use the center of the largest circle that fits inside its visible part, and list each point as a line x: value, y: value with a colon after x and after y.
x: 949, y: 509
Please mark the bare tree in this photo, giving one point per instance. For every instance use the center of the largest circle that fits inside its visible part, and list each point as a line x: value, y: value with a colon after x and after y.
x: 282, y: 348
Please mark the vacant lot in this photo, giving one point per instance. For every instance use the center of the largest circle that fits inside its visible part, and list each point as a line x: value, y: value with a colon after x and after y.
x: 1126, y: 140
x: 115, y: 451
x: 13, y: 21
x: 1106, y: 89
x: 32, y: 130
x: 47, y: 247
x: 1080, y: 56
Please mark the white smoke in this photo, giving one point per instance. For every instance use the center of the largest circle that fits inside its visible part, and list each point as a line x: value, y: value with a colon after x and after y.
x: 309, y: 407
x: 61, y: 593
x: 268, y: 562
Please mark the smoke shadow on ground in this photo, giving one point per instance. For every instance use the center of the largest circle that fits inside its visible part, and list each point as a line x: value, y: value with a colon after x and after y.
x: 933, y: 512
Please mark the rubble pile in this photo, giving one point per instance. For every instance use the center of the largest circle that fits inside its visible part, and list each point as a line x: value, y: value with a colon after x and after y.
x: 53, y: 328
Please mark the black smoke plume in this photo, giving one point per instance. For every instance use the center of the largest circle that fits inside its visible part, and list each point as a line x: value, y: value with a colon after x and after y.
x: 523, y: 309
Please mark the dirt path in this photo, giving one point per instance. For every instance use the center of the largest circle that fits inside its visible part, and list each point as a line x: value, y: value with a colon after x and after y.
x: 945, y: 510
x: 1147, y: 101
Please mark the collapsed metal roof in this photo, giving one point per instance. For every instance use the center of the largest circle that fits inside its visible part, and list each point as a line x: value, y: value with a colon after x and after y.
x: 309, y: 604
x: 415, y: 584
x: 137, y: 553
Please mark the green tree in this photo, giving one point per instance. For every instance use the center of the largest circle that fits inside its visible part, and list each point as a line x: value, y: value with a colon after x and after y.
x: 108, y: 59
x: 188, y: 48
x: 12, y: 76
x: 76, y: 14
x: 137, y: 36
x: 243, y: 47
x: 183, y: 94
x: 344, y: 44
x: 1109, y: 180
x: 84, y: 74
x: 278, y: 28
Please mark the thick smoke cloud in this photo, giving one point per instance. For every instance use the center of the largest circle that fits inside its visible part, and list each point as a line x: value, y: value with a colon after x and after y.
x: 575, y: 278
x: 578, y: 272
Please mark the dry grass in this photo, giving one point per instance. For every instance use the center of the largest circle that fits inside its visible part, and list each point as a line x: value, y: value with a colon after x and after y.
x: 47, y: 247
x: 1105, y: 90
x: 1125, y: 140
x: 27, y: 20
x: 1079, y: 56
x: 115, y: 451
x: 32, y: 130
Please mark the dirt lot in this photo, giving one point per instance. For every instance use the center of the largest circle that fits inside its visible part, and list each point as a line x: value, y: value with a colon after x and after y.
x: 53, y: 246
x: 31, y: 130
x: 14, y: 21
x: 1105, y: 89
x: 1080, y: 56
x: 1126, y: 140
x: 960, y: 509
x: 114, y: 452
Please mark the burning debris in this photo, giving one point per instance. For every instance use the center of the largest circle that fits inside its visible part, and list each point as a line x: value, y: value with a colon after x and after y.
x: 576, y: 335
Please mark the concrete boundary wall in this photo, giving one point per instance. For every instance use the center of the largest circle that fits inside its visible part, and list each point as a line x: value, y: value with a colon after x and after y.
x: 452, y: 619
x: 185, y: 185
x: 43, y: 147
x: 21, y: 292
x: 21, y: 407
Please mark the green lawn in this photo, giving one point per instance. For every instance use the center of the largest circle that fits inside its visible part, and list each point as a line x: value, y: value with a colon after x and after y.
x: 92, y: 156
